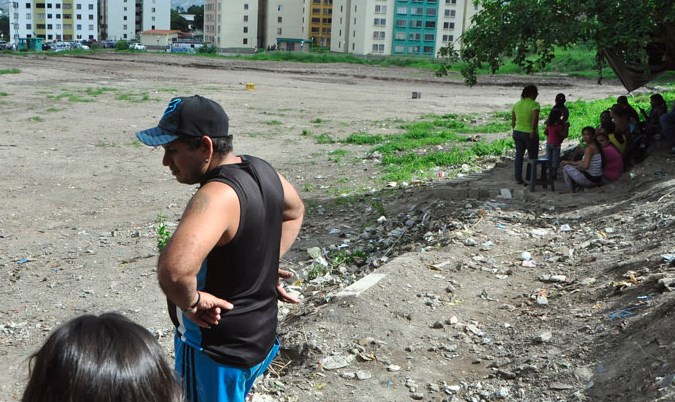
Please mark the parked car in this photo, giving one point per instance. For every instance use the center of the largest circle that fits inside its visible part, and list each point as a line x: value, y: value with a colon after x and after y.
x: 61, y: 46
x: 137, y: 46
x: 78, y: 46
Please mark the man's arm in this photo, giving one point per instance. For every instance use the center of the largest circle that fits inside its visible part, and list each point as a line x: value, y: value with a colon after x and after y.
x: 294, y: 210
x: 211, y: 215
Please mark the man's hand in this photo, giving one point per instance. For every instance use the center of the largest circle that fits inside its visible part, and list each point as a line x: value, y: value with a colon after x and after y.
x: 207, y: 312
x: 282, y: 294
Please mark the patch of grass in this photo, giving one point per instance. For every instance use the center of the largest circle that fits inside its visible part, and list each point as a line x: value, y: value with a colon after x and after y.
x: 337, y: 155
x: 274, y: 123
x: 324, y: 139
x: 3, y: 93
x: 318, y: 120
x: 10, y: 71
x: 53, y: 109
x: 133, y: 98
x: 306, y: 133
x: 308, y: 187
x: 99, y: 91
x: 36, y: 119
x: 71, y: 97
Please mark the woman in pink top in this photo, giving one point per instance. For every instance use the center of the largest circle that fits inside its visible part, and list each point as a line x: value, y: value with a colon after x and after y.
x: 612, y: 160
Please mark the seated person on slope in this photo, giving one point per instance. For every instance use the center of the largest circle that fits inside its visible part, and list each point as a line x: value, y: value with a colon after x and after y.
x: 588, y: 171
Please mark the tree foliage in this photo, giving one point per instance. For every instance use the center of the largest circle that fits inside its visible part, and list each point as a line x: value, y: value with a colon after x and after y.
x: 198, y: 12
x: 528, y: 31
x: 177, y: 21
x: 4, y: 27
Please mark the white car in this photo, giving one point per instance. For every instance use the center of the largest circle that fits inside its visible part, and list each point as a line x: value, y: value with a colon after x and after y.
x: 137, y: 46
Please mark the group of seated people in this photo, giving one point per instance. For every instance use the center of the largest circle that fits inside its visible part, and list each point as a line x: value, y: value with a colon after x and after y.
x: 606, y: 151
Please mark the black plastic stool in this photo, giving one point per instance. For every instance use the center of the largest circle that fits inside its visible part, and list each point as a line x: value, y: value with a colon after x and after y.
x: 546, y: 177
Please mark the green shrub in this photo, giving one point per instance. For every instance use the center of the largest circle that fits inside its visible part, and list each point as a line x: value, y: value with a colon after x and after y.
x: 121, y: 45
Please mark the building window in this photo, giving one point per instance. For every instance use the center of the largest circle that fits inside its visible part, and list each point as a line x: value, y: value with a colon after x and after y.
x: 428, y: 49
x: 428, y: 37
x: 278, y: 31
x: 245, y: 29
x: 431, y: 12
x: 416, y: 24
x: 49, y: 26
x: 78, y: 6
x: 380, y: 22
x: 246, y: 6
x: 450, y: 13
x: 378, y: 48
x: 246, y: 18
x: 400, y: 35
x: 91, y: 6
x: 91, y: 27
x: 430, y: 24
x: 414, y: 37
x: 79, y: 27
x: 79, y: 16
x: 378, y: 35
x: 280, y: 7
x: 402, y: 10
x: 28, y: 16
x: 380, y: 9
x: 245, y: 41
x: 448, y: 25
x: 416, y: 10
x: 447, y: 38
x: 279, y: 20
x: 398, y: 48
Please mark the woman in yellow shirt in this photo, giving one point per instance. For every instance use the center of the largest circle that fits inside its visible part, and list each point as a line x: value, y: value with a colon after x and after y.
x: 525, y: 122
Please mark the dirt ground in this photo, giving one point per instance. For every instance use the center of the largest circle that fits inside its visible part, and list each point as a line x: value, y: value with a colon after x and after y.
x: 457, y: 314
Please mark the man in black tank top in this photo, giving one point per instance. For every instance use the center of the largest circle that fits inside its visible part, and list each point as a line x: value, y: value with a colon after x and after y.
x: 220, y: 269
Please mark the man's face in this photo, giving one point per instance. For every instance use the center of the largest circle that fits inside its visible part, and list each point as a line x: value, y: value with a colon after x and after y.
x: 186, y: 164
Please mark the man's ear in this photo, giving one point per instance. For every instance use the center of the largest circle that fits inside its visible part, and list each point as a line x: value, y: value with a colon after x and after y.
x: 207, y: 144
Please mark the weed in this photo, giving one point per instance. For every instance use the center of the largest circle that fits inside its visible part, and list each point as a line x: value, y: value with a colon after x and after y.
x: 274, y: 123
x: 53, y: 109
x: 317, y: 121
x: 163, y: 234
x: 36, y: 119
x: 10, y: 71
x: 3, y: 93
x: 306, y: 133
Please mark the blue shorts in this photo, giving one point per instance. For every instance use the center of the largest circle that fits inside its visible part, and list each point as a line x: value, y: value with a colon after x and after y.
x: 205, y: 380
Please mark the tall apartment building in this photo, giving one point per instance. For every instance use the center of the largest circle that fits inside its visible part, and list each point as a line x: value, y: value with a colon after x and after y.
x: 399, y: 27
x: 250, y: 24
x: 58, y: 20
x: 320, y: 21
x: 124, y: 19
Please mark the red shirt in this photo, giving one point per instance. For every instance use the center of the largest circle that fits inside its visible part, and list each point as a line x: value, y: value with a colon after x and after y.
x: 554, y: 134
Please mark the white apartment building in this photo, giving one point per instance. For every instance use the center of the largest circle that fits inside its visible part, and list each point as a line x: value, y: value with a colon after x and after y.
x: 124, y: 19
x: 59, y: 20
x: 249, y: 24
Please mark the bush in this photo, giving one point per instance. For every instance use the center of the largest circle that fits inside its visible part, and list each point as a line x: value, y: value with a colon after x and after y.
x: 207, y: 49
x: 121, y: 45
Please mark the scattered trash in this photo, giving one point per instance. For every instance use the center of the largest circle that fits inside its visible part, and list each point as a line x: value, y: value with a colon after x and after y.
x: 23, y: 261
x: 565, y: 228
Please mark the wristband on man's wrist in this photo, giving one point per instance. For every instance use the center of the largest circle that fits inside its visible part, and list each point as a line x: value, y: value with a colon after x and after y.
x: 193, y: 306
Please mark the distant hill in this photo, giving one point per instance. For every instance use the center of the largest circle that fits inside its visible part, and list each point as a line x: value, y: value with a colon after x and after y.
x: 185, y: 4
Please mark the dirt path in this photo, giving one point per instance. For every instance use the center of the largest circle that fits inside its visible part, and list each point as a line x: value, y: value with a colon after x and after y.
x: 82, y: 201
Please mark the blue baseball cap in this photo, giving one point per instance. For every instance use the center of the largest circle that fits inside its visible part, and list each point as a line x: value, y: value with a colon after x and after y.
x: 192, y: 116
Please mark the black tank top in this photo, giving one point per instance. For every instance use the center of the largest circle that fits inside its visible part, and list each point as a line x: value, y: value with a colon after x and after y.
x: 244, y: 271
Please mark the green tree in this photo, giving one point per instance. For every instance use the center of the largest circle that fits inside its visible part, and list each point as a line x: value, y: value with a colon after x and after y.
x: 4, y: 27
x: 177, y: 21
x: 198, y: 12
x: 527, y: 31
